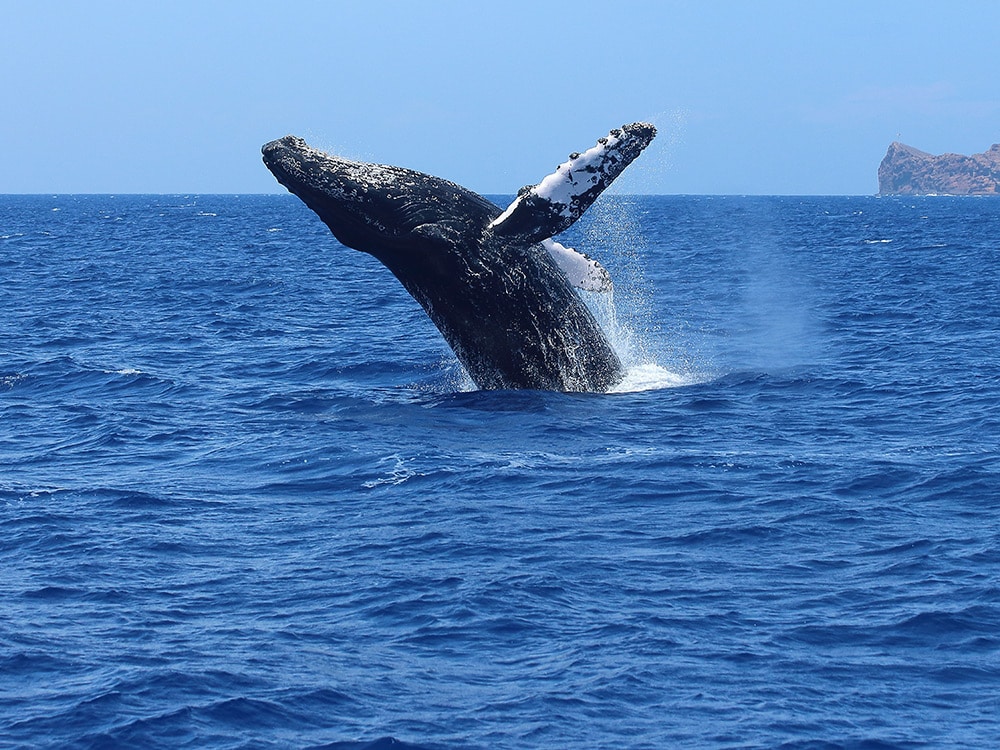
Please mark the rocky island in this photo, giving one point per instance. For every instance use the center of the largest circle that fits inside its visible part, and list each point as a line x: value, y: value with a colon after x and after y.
x: 909, y: 171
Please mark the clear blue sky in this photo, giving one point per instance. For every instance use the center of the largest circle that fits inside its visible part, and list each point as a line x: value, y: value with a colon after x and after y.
x: 750, y: 97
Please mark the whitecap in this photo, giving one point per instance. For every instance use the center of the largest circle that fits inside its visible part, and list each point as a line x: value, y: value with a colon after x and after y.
x: 398, y: 474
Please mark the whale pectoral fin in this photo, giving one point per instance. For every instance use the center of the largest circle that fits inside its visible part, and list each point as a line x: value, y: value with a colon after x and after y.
x: 583, y: 272
x: 551, y: 206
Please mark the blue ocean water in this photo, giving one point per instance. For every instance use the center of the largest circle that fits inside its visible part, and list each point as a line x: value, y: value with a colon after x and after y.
x: 248, y: 499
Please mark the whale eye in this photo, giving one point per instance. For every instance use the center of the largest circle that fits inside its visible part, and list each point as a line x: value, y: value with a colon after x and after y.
x: 574, y: 155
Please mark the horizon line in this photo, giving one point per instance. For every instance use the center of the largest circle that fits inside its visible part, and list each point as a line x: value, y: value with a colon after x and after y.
x: 488, y: 193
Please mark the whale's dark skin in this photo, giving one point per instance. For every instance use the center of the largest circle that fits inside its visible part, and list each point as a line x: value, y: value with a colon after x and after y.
x: 498, y: 298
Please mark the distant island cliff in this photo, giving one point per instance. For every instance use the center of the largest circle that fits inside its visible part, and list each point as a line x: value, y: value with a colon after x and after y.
x: 909, y: 171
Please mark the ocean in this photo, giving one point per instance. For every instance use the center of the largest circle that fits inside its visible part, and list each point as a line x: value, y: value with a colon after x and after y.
x: 249, y: 499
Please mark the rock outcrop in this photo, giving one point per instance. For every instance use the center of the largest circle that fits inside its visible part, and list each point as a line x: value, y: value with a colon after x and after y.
x: 908, y: 171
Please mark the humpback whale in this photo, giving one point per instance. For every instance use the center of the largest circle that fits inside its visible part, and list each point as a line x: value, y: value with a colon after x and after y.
x: 496, y: 284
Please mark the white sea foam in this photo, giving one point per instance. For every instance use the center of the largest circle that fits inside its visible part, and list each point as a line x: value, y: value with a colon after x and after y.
x: 397, y: 474
x: 9, y: 381
x: 651, y: 377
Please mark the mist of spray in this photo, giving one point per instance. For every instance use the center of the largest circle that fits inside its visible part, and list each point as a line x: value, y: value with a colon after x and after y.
x: 614, y: 233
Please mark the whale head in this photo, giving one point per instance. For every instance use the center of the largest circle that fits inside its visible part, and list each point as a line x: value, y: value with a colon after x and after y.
x: 377, y: 208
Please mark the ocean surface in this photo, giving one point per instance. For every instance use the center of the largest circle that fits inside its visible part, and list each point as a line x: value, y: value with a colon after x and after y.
x: 248, y: 498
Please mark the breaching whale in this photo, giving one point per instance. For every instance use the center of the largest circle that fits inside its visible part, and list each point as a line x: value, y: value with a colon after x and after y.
x: 495, y: 283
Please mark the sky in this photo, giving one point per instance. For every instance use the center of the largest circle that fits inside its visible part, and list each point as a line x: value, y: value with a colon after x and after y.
x: 784, y: 98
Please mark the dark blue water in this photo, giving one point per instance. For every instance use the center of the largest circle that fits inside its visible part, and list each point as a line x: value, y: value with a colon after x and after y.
x: 248, y: 498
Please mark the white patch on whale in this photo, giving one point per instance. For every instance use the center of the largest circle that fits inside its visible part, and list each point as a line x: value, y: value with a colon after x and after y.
x: 582, y: 271
x: 575, y: 176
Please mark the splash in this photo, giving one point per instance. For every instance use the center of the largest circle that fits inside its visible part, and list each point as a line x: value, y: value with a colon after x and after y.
x: 626, y: 313
x: 646, y: 175
x: 651, y: 377
x: 634, y: 349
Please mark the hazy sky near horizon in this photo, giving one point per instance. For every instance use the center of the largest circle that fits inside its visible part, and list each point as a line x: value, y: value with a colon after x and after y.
x: 749, y: 97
